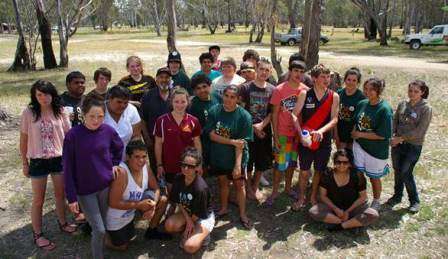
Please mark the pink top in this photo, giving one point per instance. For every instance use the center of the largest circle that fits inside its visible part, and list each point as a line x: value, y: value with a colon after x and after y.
x: 46, y: 135
x: 286, y: 97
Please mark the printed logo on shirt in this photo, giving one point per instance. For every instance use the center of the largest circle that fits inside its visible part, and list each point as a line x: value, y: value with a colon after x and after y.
x: 289, y: 103
x: 364, y: 122
x: 346, y: 112
x: 135, y: 195
x: 222, y: 130
x: 186, y: 128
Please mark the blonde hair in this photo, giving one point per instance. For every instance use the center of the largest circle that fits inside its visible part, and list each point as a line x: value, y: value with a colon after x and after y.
x: 135, y: 59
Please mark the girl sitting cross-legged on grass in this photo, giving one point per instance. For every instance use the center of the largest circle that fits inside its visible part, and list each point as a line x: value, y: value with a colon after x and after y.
x: 343, y: 197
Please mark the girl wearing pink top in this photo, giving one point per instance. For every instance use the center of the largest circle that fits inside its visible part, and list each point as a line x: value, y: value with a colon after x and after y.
x: 42, y: 130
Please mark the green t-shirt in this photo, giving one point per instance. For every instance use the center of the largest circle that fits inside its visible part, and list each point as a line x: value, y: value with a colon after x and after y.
x: 181, y: 79
x: 347, y: 109
x: 378, y: 119
x: 232, y: 125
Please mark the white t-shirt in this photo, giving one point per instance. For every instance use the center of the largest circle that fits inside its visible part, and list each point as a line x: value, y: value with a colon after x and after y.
x: 128, y: 118
x: 218, y: 85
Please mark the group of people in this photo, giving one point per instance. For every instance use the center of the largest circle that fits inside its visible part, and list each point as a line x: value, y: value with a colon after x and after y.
x: 143, y: 149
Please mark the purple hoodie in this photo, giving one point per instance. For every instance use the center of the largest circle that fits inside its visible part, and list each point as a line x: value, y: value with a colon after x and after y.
x: 88, y: 158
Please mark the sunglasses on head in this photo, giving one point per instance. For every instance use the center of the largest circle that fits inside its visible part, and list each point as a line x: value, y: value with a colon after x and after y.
x: 188, y: 166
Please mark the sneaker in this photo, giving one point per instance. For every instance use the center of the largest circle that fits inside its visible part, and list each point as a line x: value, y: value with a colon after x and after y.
x: 263, y: 181
x: 375, y: 205
x: 153, y: 233
x: 414, y: 208
x: 393, y: 201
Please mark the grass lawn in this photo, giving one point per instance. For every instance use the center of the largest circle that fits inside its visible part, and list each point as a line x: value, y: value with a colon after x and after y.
x: 278, y: 232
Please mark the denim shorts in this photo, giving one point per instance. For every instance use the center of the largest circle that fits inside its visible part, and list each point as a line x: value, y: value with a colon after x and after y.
x: 42, y: 167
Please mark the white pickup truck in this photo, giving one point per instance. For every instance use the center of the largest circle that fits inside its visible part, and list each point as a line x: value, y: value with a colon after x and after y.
x: 437, y: 36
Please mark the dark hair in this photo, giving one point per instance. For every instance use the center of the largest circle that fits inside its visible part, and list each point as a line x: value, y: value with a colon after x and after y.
x: 206, y: 55
x: 353, y: 71
x: 296, y: 64
x: 251, y: 53
x: 214, y: 47
x: 73, y: 75
x: 344, y: 153
x: 135, y: 145
x: 45, y: 87
x: 102, y: 71
x: 423, y: 87
x: 378, y: 84
x: 90, y: 102
x: 264, y: 60
x: 233, y: 88
x: 194, y: 153
x: 200, y: 79
x: 319, y: 69
x: 118, y: 91
x: 296, y: 56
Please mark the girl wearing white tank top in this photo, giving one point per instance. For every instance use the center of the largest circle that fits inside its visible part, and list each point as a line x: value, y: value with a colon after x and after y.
x: 117, y: 218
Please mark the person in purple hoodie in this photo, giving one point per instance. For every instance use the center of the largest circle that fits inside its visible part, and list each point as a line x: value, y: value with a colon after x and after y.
x: 91, y: 155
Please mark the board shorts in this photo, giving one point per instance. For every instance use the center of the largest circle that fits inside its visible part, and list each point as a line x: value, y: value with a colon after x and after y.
x: 320, y: 157
x: 208, y: 223
x: 286, y: 156
x: 371, y: 166
x: 260, y: 154
x: 42, y: 167
x: 229, y: 173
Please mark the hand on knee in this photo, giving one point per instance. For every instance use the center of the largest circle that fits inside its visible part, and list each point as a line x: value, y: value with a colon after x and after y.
x: 190, y: 247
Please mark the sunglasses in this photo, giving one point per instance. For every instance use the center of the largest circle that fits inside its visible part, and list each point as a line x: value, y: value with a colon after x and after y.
x: 187, y: 166
x: 340, y: 162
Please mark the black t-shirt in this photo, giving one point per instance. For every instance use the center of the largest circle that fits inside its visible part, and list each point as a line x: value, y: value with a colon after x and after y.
x: 194, y: 198
x: 138, y: 89
x: 153, y: 106
x: 75, y: 103
x: 343, y: 196
x: 311, y: 106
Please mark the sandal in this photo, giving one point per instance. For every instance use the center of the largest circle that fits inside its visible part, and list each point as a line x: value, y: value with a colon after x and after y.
x: 47, y: 246
x: 246, y: 224
x: 297, y: 206
x: 67, y: 228
x: 222, y: 215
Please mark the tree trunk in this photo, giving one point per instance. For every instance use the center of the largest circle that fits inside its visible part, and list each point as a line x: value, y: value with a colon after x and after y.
x: 392, y: 18
x: 22, y: 57
x: 382, y: 28
x: 312, y: 57
x: 292, y: 13
x: 260, y: 33
x: 276, y: 62
x: 63, y: 36
x: 45, y: 35
x: 156, y: 17
x: 171, y: 12
x: 306, y: 28
x: 252, y: 31
x: 103, y: 14
x: 409, y: 17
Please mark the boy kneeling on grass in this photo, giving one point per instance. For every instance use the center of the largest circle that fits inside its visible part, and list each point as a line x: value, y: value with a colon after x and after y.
x: 136, y: 189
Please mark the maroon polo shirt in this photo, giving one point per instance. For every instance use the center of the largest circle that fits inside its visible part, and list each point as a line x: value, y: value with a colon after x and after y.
x: 175, y: 138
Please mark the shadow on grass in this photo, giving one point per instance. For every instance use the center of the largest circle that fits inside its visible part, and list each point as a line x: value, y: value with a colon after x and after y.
x: 19, y: 244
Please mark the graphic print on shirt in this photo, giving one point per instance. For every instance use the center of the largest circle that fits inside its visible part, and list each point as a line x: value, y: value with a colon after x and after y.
x: 133, y: 196
x: 47, y: 138
x: 185, y: 199
x: 259, y: 102
x: 223, y: 130
x: 365, y: 122
x: 346, y: 112
x: 289, y: 103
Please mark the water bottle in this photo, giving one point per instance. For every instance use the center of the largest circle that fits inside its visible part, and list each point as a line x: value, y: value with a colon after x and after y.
x: 162, y: 186
x: 306, y: 138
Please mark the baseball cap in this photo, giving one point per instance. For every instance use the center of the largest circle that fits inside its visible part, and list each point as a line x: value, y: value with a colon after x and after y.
x: 163, y: 70
x: 174, y: 56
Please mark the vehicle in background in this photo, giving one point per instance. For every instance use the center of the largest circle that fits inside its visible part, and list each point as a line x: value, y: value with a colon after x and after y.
x: 294, y: 36
x: 437, y: 36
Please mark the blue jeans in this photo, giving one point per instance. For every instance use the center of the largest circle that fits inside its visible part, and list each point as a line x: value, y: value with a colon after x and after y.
x: 404, y: 158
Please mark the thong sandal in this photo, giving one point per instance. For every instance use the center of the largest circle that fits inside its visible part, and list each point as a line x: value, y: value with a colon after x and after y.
x: 47, y: 246
x: 246, y: 224
x: 67, y: 228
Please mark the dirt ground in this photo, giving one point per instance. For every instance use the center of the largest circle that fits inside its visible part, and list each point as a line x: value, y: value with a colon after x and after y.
x: 278, y: 232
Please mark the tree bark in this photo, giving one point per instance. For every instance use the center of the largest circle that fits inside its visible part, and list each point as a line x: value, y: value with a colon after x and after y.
x: 156, y: 17
x: 103, y: 14
x: 312, y: 57
x: 22, y: 56
x: 306, y: 28
x: 292, y: 13
x: 171, y: 38
x: 45, y: 35
x: 63, y: 36
x: 276, y: 61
